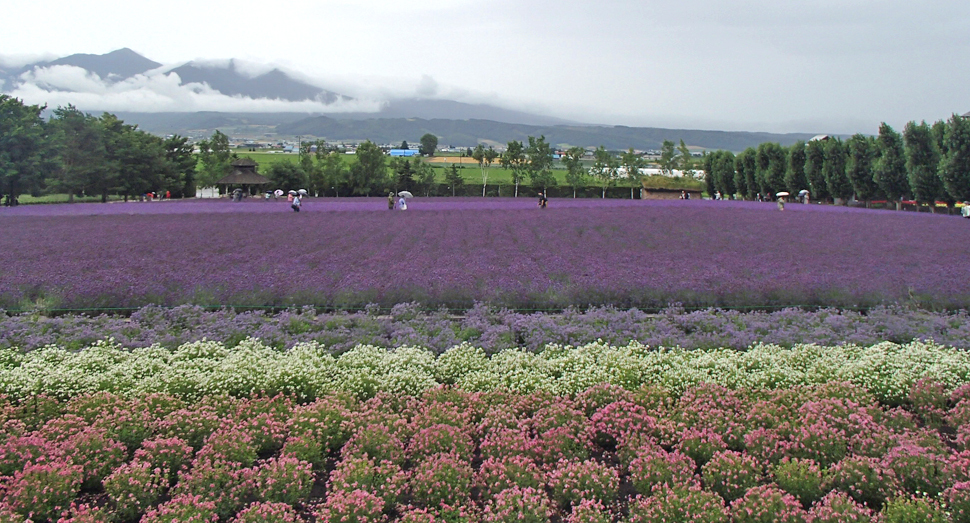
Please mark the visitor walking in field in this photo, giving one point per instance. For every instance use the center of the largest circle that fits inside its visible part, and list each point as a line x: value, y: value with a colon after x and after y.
x: 781, y: 203
x: 390, y: 201
x: 297, y: 202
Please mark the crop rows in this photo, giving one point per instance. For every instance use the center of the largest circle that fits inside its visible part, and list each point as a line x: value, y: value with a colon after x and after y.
x: 625, y: 253
x: 825, y: 453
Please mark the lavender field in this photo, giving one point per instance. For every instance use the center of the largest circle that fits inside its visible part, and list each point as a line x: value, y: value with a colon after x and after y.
x: 456, y: 252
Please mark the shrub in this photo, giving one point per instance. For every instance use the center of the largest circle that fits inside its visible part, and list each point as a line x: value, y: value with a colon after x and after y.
x: 267, y: 432
x: 170, y: 455
x: 682, y: 504
x: 655, y: 466
x: 913, y: 510
x: 192, y: 425
x: 503, y: 442
x: 589, y: 511
x: 518, y: 505
x: 229, y: 444
x: 495, y: 475
x: 865, y: 479
x: 377, y: 443
x: 920, y: 470
x: 802, y: 478
x: 97, y: 454
x: 227, y: 484
x: 560, y: 443
x: 283, y: 480
x: 304, y: 447
x: 958, y: 501
x: 82, y: 513
x: 384, y: 479
x: 767, y: 504
x: 928, y: 398
x: 573, y: 481
x: 615, y: 420
x: 326, y: 420
x: 629, y: 446
x: 267, y: 512
x: 767, y: 445
x: 355, y: 506
x: 820, y: 441
x: 134, y: 487
x: 43, y: 490
x: 20, y: 451
x: 184, y: 508
x: 441, y: 479
x: 440, y: 438
x: 731, y: 474
x: 700, y: 445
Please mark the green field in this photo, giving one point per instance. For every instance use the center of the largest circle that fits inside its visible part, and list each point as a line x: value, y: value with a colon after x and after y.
x: 471, y: 173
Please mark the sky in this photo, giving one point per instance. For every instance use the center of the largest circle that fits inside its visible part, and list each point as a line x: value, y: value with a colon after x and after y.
x: 832, y: 66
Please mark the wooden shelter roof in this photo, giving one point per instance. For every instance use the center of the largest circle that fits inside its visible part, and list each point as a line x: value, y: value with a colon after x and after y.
x: 240, y: 177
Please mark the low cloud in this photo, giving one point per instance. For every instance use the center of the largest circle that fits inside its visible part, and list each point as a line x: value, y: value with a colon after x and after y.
x: 157, y: 91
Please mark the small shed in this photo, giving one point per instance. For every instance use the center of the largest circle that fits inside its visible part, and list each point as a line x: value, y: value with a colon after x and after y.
x: 244, y: 175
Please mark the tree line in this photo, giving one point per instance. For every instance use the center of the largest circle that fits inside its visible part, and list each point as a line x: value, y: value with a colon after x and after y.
x: 926, y: 163
x: 79, y: 154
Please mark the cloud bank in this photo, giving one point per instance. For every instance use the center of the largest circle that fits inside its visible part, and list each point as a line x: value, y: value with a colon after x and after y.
x: 156, y: 91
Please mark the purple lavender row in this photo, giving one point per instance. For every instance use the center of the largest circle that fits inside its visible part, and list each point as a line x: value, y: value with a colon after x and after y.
x: 490, y: 328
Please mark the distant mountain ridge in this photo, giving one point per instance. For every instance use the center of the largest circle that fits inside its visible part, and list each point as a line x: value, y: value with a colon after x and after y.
x: 455, y: 123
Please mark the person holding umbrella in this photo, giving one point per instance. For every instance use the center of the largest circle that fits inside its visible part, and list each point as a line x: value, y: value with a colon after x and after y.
x: 781, y: 200
x: 390, y: 201
x: 297, y: 202
x: 403, y: 203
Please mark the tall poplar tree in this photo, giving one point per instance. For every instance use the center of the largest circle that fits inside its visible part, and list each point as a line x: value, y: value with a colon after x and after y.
x: 795, y: 174
x: 859, y: 164
x: 833, y: 169
x: 745, y: 168
x: 954, y: 166
x: 814, y: 161
x: 922, y: 164
x: 889, y: 170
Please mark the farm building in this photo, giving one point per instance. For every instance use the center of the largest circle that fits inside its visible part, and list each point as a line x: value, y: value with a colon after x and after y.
x: 403, y: 152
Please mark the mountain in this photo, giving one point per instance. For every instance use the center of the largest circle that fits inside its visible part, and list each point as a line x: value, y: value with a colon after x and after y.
x: 273, y: 85
x: 468, y: 133
x: 116, y: 65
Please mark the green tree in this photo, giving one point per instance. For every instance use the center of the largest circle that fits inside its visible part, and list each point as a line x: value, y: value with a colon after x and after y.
x: 685, y: 160
x: 429, y: 143
x: 772, y: 164
x: 454, y: 178
x: 745, y: 168
x: 633, y: 163
x: 405, y: 175
x: 287, y: 175
x: 136, y: 160
x: 605, y: 168
x: 889, y: 171
x: 514, y: 160
x: 216, y: 159
x: 576, y: 174
x: 833, y: 169
x: 404, y: 145
x: 814, y: 162
x: 78, y: 146
x: 484, y: 157
x: 707, y: 161
x: 22, y: 140
x: 922, y: 164
x: 333, y: 173
x: 668, y: 157
x: 369, y: 174
x: 724, y: 173
x: 179, y: 153
x: 859, y: 164
x: 795, y: 179
x: 954, y: 167
x: 424, y: 177
x: 539, y: 164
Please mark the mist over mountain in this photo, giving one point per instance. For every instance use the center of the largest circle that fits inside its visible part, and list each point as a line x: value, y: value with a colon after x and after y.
x: 255, y: 100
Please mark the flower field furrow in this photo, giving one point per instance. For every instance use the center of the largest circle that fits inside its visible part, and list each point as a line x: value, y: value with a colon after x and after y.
x: 203, y: 368
x: 626, y: 253
x: 490, y: 328
x: 696, y: 454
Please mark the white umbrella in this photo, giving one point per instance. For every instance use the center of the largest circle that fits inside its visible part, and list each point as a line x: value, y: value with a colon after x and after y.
x: 293, y: 193
x: 782, y: 193
x: 803, y: 192
x: 302, y: 192
x: 405, y: 194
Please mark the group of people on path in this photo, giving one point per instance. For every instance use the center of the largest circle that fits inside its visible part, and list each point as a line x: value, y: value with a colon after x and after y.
x: 402, y: 204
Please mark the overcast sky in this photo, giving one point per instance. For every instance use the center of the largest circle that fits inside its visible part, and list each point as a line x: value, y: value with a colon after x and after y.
x: 837, y: 66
